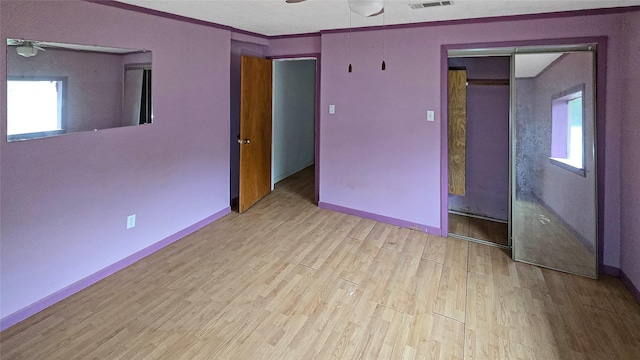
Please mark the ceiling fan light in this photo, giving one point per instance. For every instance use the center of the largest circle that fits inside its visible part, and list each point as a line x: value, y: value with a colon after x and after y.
x: 26, y: 51
x: 366, y: 7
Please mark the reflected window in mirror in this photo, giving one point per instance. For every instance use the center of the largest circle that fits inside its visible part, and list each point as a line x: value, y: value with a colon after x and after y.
x: 137, y: 108
x: 567, y: 131
x: 35, y: 107
x: 94, y: 89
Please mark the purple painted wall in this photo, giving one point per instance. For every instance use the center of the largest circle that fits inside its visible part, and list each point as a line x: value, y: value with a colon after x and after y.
x: 487, y: 154
x: 630, y: 153
x: 294, y: 46
x: 570, y: 195
x: 380, y: 155
x: 93, y: 98
x: 137, y: 58
x: 65, y: 200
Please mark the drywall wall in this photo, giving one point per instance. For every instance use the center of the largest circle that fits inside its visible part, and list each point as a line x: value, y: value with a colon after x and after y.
x: 629, y: 153
x: 65, y: 199
x: 138, y: 58
x: 294, y: 112
x: 302, y: 45
x: 379, y: 155
x: 89, y: 76
x: 569, y: 195
x: 487, y: 153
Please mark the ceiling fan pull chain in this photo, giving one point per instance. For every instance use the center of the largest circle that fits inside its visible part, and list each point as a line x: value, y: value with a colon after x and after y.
x: 350, y: 67
x: 384, y: 66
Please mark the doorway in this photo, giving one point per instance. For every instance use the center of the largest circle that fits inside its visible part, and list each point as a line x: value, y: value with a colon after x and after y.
x: 292, y: 128
x: 552, y: 198
x: 294, y: 116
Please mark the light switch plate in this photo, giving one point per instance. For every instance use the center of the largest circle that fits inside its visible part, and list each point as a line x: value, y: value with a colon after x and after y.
x: 131, y: 221
x: 430, y: 115
x: 332, y: 109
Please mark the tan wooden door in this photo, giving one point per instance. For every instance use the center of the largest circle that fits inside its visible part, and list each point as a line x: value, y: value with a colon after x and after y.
x: 457, y: 131
x: 255, y: 130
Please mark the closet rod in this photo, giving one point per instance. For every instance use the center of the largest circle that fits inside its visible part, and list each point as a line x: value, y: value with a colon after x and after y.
x: 488, y: 82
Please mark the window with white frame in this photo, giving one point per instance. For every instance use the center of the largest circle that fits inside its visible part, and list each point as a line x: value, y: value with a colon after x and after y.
x: 567, y: 130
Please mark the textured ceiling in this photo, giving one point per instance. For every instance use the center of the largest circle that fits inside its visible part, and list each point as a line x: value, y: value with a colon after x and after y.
x: 275, y: 17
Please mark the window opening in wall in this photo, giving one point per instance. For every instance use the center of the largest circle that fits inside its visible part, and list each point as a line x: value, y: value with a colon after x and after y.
x: 34, y: 107
x: 567, y: 133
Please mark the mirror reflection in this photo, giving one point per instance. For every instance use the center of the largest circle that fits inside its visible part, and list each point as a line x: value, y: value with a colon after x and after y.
x: 554, y: 204
x: 59, y: 88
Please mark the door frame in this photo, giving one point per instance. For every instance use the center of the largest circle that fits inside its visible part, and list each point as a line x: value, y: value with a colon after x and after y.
x: 495, y: 48
x: 316, y: 151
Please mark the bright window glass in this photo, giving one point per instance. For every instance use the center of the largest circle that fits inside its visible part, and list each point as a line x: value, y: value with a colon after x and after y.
x: 567, y: 133
x: 33, y: 106
x: 575, y: 141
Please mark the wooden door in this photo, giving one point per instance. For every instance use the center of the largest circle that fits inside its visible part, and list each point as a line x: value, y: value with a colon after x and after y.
x: 255, y: 131
x: 457, y: 130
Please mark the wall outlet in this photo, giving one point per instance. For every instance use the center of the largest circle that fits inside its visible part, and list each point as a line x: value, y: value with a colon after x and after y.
x: 332, y: 109
x: 131, y: 221
x: 430, y: 115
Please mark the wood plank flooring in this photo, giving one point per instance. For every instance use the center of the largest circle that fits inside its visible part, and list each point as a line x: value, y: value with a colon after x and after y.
x: 286, y: 280
x: 481, y: 229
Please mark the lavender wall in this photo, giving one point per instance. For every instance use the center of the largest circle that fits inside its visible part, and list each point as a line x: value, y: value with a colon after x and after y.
x: 94, y: 84
x: 487, y: 153
x: 380, y: 155
x: 629, y: 153
x: 570, y: 195
x: 238, y: 48
x: 294, y: 46
x: 64, y: 200
x: 137, y: 58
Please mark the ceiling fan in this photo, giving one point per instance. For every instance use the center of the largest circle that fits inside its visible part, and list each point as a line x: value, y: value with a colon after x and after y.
x: 368, y: 8
x: 24, y: 47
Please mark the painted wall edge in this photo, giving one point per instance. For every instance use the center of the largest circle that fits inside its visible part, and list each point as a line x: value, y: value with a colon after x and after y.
x: 380, y: 218
x: 630, y: 286
x: 60, y: 295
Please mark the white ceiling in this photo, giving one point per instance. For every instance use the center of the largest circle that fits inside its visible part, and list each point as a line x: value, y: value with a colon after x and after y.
x: 275, y: 17
x: 530, y: 65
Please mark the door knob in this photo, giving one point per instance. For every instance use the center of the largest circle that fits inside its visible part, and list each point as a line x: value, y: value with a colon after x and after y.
x: 245, y: 141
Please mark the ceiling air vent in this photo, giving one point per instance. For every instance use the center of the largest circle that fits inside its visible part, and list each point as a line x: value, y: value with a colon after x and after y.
x: 428, y: 4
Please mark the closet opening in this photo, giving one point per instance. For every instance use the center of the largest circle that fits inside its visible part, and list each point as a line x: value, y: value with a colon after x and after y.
x: 520, y: 149
x: 478, y: 144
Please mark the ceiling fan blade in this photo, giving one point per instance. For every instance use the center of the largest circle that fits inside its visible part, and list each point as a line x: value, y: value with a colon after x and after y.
x: 378, y: 13
x: 293, y: 1
x: 38, y: 47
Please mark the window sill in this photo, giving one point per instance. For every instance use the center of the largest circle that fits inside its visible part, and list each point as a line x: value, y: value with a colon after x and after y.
x: 564, y: 163
x: 35, y: 135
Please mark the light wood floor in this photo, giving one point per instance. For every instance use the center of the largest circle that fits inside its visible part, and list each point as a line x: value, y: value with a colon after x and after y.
x: 286, y: 280
x: 481, y: 229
